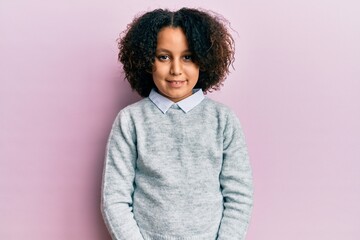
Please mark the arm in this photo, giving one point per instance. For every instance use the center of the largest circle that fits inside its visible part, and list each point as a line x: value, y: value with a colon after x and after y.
x: 236, y: 183
x: 118, y: 181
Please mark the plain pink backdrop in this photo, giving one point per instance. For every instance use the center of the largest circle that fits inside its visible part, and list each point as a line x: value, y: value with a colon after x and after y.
x: 295, y: 87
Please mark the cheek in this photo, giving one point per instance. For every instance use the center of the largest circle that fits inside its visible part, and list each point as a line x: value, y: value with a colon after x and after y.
x: 193, y: 72
x: 159, y: 71
x: 155, y: 72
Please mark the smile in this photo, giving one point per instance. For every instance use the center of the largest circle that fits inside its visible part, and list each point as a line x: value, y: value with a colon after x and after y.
x: 176, y: 83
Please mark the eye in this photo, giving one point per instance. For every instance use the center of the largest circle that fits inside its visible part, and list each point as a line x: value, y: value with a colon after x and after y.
x: 188, y: 58
x: 163, y: 57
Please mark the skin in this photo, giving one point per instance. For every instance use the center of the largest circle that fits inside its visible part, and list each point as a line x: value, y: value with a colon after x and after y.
x: 174, y: 72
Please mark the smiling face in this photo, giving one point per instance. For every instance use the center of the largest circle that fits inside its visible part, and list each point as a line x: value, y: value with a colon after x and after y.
x: 174, y: 72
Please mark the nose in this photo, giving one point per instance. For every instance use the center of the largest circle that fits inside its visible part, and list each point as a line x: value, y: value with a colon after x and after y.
x: 176, y: 68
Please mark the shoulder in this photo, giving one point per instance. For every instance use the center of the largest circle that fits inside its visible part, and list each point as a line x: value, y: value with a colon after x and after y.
x: 134, y: 108
x: 133, y: 111
x: 139, y: 105
x: 225, y: 116
x: 219, y: 108
x: 124, y: 120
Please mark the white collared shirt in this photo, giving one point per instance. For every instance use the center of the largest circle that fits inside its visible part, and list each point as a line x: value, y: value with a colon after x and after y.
x: 163, y: 103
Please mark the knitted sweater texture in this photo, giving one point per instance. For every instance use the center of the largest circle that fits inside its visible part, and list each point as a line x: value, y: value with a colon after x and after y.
x: 177, y: 176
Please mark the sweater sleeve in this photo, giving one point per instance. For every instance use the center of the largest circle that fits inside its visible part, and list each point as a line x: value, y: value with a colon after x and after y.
x: 236, y: 183
x: 118, y: 181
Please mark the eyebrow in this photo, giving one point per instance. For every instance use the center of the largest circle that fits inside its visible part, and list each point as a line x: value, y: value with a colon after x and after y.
x: 167, y: 51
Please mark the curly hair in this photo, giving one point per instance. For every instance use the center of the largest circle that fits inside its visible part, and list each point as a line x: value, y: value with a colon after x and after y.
x: 209, y: 41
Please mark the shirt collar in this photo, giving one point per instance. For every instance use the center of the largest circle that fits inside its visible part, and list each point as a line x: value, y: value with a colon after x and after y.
x: 186, y: 104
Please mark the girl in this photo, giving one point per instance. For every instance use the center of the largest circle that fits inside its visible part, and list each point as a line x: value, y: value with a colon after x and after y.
x: 176, y: 163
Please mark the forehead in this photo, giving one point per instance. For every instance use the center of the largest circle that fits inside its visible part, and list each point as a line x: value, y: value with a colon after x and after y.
x: 172, y: 38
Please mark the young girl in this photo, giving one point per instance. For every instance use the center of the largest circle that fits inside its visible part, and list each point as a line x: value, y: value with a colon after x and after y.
x: 176, y: 163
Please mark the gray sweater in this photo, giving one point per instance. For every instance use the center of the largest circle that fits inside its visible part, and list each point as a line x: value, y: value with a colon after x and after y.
x: 177, y: 176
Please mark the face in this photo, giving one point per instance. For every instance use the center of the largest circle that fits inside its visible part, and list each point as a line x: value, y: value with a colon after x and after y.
x: 174, y: 72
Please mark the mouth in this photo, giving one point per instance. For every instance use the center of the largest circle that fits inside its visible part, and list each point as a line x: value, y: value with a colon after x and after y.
x: 176, y: 83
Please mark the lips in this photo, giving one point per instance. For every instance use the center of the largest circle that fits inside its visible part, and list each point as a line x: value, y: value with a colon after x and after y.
x: 176, y: 83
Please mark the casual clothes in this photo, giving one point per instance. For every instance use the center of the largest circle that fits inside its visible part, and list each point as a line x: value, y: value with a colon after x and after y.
x: 177, y: 171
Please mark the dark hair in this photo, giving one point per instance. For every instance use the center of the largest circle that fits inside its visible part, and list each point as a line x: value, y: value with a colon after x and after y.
x: 209, y: 41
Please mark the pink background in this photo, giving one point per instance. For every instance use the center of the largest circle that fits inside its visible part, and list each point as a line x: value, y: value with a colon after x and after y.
x: 295, y: 87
